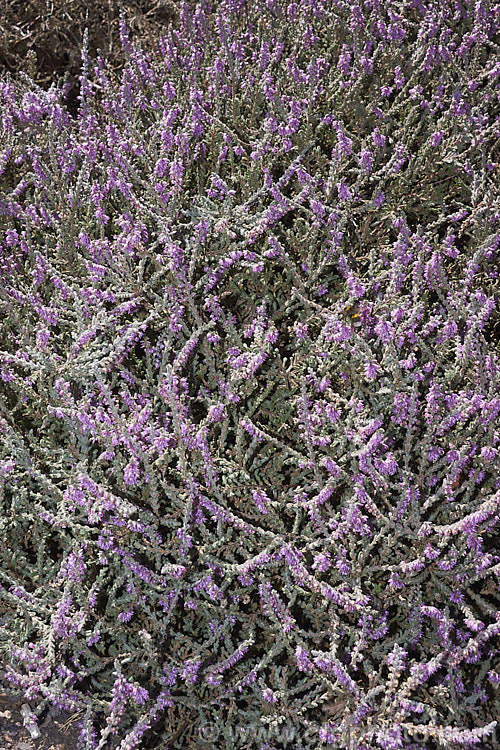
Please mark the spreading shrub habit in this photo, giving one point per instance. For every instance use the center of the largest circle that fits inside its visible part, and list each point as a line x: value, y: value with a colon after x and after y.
x: 249, y: 382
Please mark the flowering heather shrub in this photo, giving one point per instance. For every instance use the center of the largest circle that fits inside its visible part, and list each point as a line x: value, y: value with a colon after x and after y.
x: 249, y: 378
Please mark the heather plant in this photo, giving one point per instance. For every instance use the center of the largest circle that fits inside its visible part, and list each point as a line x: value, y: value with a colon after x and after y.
x: 249, y: 382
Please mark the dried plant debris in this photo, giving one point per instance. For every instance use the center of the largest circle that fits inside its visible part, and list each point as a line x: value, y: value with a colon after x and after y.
x: 44, y: 37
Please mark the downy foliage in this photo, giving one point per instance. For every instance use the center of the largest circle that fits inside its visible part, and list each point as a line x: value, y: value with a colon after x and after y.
x: 249, y: 379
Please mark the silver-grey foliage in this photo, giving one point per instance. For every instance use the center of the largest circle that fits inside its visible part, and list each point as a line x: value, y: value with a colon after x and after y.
x: 249, y: 382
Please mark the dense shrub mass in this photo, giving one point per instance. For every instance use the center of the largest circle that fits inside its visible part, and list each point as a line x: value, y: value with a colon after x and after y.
x: 249, y: 379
